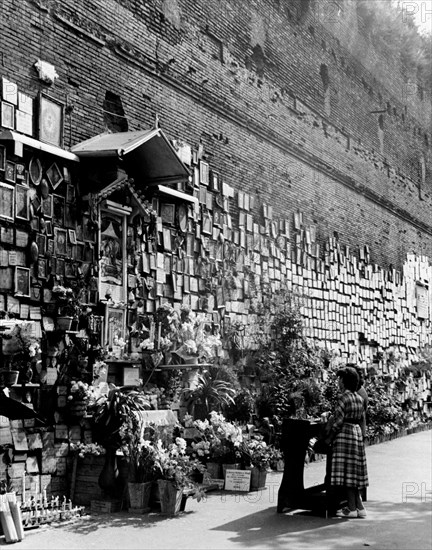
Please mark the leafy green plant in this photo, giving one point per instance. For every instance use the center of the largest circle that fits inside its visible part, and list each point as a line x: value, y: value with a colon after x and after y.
x: 113, y: 413
x: 290, y: 367
x: 211, y: 393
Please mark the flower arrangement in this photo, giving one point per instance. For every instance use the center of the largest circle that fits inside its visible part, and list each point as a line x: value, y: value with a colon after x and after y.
x: 175, y: 465
x: 81, y: 391
x: 220, y: 440
x: 140, y: 451
x: 186, y: 333
x: 257, y: 453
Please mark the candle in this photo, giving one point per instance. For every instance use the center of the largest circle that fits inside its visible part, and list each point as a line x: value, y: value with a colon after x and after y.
x: 23, y: 489
x: 44, y: 497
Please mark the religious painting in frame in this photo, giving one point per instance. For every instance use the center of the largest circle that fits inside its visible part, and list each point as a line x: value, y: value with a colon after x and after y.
x: 22, y: 281
x: 22, y: 211
x: 7, y: 203
x: 60, y: 241
x: 47, y: 207
x: 10, y: 172
x: 70, y: 193
x: 58, y: 215
x: 115, y: 325
x: 41, y: 241
x: 88, y: 232
x: 167, y: 213
x: 54, y: 175
x: 42, y: 268
x: 50, y: 123
x: 112, y: 253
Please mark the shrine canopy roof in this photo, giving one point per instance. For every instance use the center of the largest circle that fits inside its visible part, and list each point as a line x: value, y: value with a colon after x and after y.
x: 147, y: 156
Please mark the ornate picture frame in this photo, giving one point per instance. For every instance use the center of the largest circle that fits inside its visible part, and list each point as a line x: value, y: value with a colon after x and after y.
x: 7, y: 201
x: 22, y: 211
x: 50, y: 120
x: 54, y: 175
x: 22, y: 281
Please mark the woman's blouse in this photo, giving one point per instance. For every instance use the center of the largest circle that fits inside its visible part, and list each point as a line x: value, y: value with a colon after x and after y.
x: 350, y: 406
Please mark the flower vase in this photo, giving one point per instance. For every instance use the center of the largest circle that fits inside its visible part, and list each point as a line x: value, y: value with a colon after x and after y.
x: 108, y: 477
x: 170, y: 497
x: 258, y: 478
x: 139, y: 496
x: 190, y: 376
x: 214, y: 470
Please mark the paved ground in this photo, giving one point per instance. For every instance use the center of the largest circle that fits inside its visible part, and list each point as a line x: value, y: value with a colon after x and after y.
x: 399, y: 515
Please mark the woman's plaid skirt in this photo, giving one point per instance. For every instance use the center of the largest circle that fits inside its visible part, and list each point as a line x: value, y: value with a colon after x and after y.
x: 348, y: 467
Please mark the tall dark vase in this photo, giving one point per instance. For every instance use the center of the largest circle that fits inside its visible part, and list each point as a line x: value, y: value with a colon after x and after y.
x: 108, y: 478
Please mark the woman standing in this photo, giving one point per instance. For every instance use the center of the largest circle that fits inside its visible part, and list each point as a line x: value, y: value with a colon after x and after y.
x: 348, y: 463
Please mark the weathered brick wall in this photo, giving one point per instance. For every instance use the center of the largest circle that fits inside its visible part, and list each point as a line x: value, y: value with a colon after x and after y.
x: 245, y: 80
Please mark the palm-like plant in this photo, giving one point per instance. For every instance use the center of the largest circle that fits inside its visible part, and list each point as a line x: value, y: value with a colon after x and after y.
x: 211, y: 393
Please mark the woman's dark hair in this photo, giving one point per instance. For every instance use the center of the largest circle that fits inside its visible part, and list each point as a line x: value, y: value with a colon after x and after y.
x: 349, y: 378
x: 359, y: 372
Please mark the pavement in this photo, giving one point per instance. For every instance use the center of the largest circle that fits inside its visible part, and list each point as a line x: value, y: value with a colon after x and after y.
x: 399, y: 508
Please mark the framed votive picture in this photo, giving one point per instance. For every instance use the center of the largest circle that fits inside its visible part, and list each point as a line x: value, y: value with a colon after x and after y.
x: 10, y: 171
x: 2, y: 157
x: 70, y: 193
x: 7, y: 203
x: 50, y: 123
x: 60, y: 240
x: 58, y: 209
x: 22, y: 281
x: 7, y: 115
x: 41, y: 241
x: 167, y: 213
x: 35, y: 171
x: 72, y: 236
x: 115, y: 326
x: 54, y: 175
x: 47, y: 207
x: 204, y: 172
x: 42, y: 268
x: 21, y: 202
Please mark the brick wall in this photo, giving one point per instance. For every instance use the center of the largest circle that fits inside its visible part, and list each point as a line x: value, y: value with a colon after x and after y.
x: 245, y: 80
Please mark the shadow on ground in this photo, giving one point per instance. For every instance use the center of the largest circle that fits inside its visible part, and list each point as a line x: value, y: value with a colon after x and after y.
x: 388, y: 525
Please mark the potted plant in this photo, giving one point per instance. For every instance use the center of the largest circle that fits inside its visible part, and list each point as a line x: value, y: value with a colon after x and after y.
x: 112, y: 414
x: 257, y: 457
x: 67, y: 306
x: 176, y: 470
x: 141, y: 455
x: 208, y: 394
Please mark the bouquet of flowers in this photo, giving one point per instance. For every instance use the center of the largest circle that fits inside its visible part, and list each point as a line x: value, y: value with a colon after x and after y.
x: 175, y: 465
x: 223, y: 439
x: 257, y: 453
x: 186, y: 333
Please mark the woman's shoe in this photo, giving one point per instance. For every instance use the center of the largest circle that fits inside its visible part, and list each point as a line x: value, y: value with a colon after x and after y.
x: 361, y: 513
x: 346, y: 513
